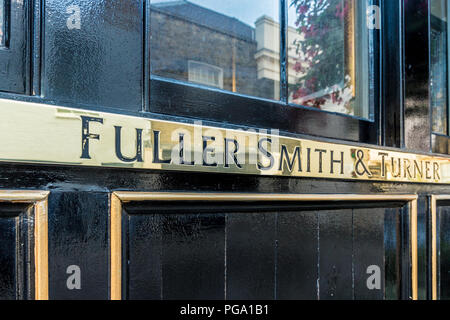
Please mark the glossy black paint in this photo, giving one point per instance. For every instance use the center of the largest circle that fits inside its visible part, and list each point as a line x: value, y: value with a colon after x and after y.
x: 71, y: 247
x: 443, y: 247
x: 99, y: 64
x: 417, y: 114
x: 335, y: 239
x: 392, y: 252
x: 392, y: 113
x: 297, y: 267
x: 423, y: 244
x: 16, y: 252
x: 368, y: 250
x: 78, y: 235
x: 251, y: 250
x: 14, y: 57
x: 186, y: 100
x: 234, y: 251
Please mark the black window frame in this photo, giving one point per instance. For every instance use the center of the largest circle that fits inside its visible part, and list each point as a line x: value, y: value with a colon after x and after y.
x: 16, y: 52
x: 182, y: 99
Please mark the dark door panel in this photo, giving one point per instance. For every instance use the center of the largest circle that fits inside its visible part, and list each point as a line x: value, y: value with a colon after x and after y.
x: 444, y: 245
x: 239, y: 251
x: 78, y: 237
x: 16, y: 252
x: 368, y: 250
x: 335, y: 254
x: 297, y: 259
x: 443, y: 249
x: 175, y: 256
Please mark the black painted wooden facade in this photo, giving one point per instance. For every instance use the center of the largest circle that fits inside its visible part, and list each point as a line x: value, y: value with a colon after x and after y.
x: 203, y: 249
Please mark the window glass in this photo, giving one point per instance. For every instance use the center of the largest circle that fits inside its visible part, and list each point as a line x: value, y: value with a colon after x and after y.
x: 331, y: 55
x: 439, y: 66
x: 2, y: 23
x: 233, y: 45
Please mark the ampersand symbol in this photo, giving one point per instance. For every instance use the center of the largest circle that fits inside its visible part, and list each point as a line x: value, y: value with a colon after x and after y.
x: 360, y: 163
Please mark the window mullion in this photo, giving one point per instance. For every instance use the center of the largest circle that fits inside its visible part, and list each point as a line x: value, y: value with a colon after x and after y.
x: 283, y: 51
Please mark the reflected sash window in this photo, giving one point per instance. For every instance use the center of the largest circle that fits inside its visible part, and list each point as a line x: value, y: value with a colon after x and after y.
x: 439, y: 66
x: 206, y: 74
x: 331, y: 56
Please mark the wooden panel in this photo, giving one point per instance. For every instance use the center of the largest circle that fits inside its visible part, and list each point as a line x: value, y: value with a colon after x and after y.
x: 144, y: 249
x: 444, y: 246
x: 297, y: 260
x: 392, y: 246
x: 176, y: 256
x: 8, y: 251
x: 335, y: 241
x: 16, y: 252
x: 254, y: 250
x: 193, y: 256
x: 78, y: 236
x: 368, y: 251
x: 251, y: 256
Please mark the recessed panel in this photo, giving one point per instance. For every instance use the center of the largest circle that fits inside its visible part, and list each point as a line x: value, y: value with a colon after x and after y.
x: 444, y: 251
x: 262, y: 251
x: 16, y: 252
x: 78, y: 245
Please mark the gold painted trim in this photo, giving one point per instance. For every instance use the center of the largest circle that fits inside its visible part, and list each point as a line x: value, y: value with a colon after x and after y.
x: 40, y: 204
x: 116, y: 247
x: 434, y: 267
x: 124, y: 196
x: 414, y: 253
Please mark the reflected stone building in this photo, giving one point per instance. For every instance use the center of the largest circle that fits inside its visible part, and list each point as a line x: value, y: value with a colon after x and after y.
x: 199, y: 45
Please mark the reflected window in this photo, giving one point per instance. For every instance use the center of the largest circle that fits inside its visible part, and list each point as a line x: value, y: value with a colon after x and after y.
x: 331, y: 56
x: 2, y: 23
x: 439, y: 66
x: 233, y: 45
x: 204, y: 73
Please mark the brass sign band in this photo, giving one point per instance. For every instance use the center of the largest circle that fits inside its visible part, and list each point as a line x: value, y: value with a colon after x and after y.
x: 37, y: 133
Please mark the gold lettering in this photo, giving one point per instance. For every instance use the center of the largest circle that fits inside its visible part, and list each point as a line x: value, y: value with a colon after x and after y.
x: 417, y: 170
x: 427, y: 170
x: 407, y: 164
x: 321, y: 152
x: 383, y: 163
x: 396, y: 175
x: 337, y: 161
x: 436, y: 169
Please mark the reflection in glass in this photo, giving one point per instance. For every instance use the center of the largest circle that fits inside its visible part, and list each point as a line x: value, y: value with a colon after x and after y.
x: 331, y: 56
x: 231, y: 45
x: 439, y: 66
x: 2, y: 23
